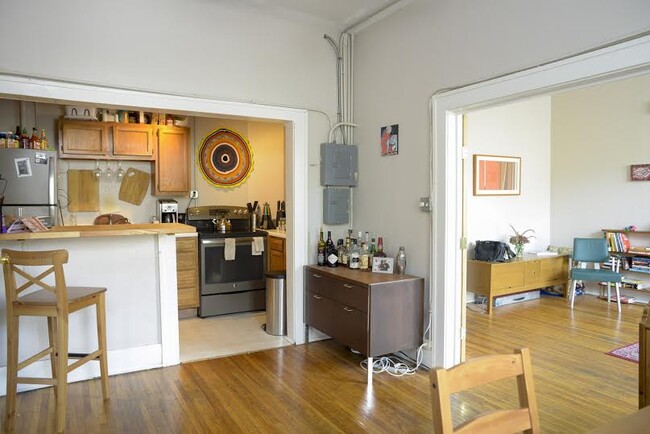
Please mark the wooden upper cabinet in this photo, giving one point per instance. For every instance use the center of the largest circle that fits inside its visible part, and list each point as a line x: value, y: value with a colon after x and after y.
x: 172, y: 164
x: 84, y: 139
x: 133, y: 140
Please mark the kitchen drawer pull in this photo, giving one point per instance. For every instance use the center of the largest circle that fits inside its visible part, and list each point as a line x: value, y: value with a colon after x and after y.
x: 347, y: 309
x: 317, y: 297
x: 318, y: 276
x: 348, y: 286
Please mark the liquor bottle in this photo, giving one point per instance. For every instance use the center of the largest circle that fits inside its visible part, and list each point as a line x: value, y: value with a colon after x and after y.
x: 34, y: 140
x: 400, y: 261
x: 44, y: 142
x: 343, y: 260
x: 380, y: 248
x: 354, y: 256
x: 346, y: 252
x: 363, y: 257
x: 371, y: 252
x: 331, y: 254
x: 321, y: 249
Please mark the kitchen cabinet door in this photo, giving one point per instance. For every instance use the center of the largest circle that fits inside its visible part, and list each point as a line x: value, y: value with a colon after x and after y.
x: 83, y: 139
x: 277, y: 256
x: 172, y: 165
x: 187, y: 272
x: 133, y: 140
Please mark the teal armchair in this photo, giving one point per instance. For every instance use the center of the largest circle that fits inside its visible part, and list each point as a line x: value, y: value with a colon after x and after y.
x: 594, y: 250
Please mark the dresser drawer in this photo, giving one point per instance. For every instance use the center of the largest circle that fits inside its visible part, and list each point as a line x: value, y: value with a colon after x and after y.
x: 351, y: 327
x: 340, y: 291
x: 506, y: 276
x: 319, y: 312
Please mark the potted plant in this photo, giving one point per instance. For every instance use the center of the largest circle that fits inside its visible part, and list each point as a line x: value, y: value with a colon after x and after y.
x: 519, y: 239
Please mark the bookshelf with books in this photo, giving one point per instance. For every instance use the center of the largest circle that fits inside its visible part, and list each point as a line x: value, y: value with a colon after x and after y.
x: 632, y: 248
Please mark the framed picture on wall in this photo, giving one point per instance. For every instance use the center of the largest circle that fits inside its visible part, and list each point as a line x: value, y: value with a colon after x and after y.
x: 389, y: 140
x: 640, y: 172
x: 496, y: 175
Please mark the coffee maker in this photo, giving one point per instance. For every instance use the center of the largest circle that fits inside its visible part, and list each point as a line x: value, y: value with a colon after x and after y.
x: 167, y: 211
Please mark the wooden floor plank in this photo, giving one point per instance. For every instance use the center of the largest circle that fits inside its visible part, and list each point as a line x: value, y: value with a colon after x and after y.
x: 320, y: 388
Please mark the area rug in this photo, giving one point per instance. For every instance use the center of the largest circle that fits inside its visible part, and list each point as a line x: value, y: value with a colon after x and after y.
x: 628, y: 352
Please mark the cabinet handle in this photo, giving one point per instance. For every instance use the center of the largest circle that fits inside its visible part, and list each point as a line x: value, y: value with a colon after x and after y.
x: 317, y: 297
x: 348, y: 286
x: 347, y: 309
x: 317, y: 275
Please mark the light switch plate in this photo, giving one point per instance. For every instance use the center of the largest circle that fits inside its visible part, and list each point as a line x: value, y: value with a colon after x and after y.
x: 425, y: 204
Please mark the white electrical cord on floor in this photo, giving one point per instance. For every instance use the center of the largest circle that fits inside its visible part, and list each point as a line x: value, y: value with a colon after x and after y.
x: 394, y: 366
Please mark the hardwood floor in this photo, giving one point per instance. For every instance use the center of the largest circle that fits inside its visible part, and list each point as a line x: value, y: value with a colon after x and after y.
x: 321, y: 388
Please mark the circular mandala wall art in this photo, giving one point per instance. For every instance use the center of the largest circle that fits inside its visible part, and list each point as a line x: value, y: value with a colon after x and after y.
x: 225, y: 158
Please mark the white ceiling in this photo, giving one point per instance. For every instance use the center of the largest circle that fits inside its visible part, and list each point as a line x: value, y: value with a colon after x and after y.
x: 341, y: 13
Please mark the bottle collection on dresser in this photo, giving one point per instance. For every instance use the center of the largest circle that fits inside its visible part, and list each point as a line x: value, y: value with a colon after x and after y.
x: 357, y: 253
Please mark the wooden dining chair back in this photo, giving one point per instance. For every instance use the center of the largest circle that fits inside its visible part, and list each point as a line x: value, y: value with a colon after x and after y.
x: 644, y: 358
x: 479, y: 371
x: 55, y: 302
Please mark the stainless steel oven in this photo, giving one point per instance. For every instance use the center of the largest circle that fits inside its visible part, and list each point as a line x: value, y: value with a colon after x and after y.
x: 231, y: 286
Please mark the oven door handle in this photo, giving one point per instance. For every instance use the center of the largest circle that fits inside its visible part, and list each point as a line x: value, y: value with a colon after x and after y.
x: 222, y: 241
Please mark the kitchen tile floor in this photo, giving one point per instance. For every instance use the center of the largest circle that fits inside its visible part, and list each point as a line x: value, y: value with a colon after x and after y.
x: 221, y: 336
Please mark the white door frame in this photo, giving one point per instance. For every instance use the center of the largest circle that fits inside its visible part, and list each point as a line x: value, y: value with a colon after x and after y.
x: 622, y: 60
x: 20, y: 87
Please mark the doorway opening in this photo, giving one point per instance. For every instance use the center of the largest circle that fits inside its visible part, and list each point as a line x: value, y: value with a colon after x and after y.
x: 294, y: 122
x: 448, y: 266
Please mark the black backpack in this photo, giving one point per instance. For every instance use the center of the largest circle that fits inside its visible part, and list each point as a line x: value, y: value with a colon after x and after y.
x: 492, y: 251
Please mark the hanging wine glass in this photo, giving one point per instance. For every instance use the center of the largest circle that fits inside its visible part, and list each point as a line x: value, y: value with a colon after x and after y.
x: 108, y: 173
x: 120, y: 172
x: 97, y: 171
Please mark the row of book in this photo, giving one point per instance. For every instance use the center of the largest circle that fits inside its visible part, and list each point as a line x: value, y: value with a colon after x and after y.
x: 640, y: 264
x: 618, y: 242
x: 630, y: 283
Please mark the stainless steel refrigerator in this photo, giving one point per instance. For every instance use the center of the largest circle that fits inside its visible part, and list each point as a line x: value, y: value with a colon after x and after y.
x: 28, y: 183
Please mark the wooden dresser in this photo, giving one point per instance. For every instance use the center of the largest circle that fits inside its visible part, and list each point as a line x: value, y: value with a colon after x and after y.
x: 372, y: 313
x: 494, y: 279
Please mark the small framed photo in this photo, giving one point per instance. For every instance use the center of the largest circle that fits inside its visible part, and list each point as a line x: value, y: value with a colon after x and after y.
x: 22, y: 167
x: 382, y: 265
x: 640, y: 172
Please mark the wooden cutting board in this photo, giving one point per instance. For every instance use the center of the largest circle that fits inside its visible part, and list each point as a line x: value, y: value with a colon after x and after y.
x: 83, y: 191
x: 135, y: 185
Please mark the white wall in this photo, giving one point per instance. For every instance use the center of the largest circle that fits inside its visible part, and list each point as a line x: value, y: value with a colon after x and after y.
x: 426, y: 46
x: 266, y: 181
x: 597, y: 133
x: 521, y: 129
x: 192, y: 47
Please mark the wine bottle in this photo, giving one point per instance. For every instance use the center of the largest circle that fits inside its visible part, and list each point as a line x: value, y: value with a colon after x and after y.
x: 332, y: 257
x: 380, y: 248
x: 321, y: 249
x: 371, y: 252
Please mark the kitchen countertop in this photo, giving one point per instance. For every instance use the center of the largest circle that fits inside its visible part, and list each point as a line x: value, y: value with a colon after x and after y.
x: 276, y: 233
x: 83, y: 231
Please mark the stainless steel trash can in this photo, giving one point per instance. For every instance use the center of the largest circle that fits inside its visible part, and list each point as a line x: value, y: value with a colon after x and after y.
x: 276, y: 303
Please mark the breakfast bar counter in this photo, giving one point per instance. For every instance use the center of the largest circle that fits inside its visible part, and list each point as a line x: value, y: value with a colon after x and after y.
x: 136, y: 263
x: 101, y: 231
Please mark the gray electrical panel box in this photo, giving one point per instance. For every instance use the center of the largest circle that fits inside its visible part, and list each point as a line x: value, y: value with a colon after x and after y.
x: 339, y: 165
x: 336, y: 206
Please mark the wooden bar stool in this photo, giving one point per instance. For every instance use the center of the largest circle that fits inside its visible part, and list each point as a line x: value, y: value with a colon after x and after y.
x: 56, y: 303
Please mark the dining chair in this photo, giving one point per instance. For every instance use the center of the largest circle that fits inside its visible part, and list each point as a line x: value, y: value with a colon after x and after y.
x: 480, y: 371
x: 56, y: 303
x: 594, y: 251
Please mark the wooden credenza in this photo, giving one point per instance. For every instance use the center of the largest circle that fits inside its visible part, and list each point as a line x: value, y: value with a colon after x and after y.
x: 494, y: 279
x: 372, y: 313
